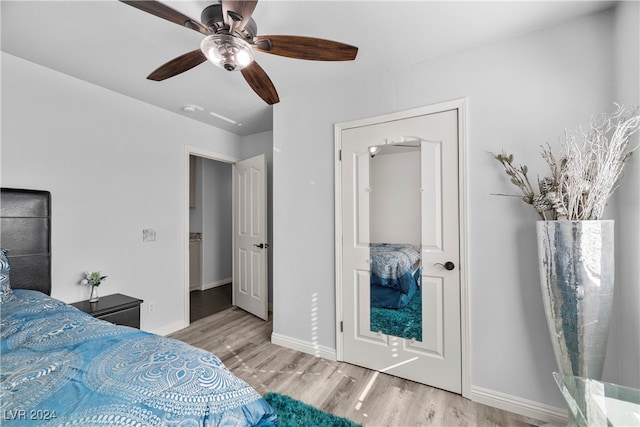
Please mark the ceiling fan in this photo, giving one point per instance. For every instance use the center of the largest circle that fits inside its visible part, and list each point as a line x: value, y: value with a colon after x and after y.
x: 231, y: 42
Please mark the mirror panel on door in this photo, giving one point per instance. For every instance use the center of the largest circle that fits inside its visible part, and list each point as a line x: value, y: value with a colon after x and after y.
x: 395, y: 229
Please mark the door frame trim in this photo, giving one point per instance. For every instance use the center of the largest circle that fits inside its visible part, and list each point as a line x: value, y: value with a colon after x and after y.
x: 461, y: 106
x: 207, y: 154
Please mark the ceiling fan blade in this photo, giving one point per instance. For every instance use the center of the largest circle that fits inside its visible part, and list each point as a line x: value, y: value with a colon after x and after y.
x: 165, y: 12
x: 305, y: 48
x: 178, y: 65
x: 260, y: 83
x: 241, y: 11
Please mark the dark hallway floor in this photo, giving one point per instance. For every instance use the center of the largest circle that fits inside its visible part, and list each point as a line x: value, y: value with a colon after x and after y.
x: 211, y: 301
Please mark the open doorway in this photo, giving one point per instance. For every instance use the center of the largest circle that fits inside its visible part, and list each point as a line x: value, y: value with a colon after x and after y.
x: 210, y: 236
x: 250, y: 226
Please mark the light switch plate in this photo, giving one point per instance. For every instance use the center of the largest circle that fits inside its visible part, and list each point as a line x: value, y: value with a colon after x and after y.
x: 148, y: 235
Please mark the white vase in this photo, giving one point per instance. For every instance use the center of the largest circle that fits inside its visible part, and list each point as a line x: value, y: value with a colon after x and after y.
x: 577, y: 279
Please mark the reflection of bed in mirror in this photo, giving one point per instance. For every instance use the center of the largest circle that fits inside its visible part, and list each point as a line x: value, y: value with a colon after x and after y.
x: 396, y: 297
x: 395, y: 274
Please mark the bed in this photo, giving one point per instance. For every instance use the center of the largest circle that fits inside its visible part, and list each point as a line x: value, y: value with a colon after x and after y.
x: 61, y: 366
x: 395, y: 274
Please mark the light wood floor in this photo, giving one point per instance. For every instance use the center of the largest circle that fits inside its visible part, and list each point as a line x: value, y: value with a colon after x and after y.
x: 243, y: 343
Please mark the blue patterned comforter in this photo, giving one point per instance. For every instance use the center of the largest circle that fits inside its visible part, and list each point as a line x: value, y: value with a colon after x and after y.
x: 393, y: 265
x: 61, y: 366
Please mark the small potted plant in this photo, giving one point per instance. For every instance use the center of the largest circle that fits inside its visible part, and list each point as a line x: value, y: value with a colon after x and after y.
x: 94, y: 279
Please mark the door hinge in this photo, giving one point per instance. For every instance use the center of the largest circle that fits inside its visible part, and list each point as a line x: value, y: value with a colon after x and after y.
x: 341, y: 326
x: 339, y: 155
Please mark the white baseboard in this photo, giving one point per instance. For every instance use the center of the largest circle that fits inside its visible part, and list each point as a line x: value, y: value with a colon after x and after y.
x: 518, y: 405
x: 215, y: 284
x: 304, y: 346
x: 169, y: 329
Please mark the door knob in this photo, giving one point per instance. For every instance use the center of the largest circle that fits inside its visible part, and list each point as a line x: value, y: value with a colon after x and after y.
x: 447, y: 265
x: 261, y: 245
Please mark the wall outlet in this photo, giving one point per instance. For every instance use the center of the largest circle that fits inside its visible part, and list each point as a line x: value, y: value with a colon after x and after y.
x: 148, y: 235
x: 151, y: 307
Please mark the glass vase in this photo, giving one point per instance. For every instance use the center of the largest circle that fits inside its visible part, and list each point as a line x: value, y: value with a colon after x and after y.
x: 577, y: 280
x: 94, y: 294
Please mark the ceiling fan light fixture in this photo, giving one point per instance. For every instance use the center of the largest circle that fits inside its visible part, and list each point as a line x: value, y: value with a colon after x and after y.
x: 231, y: 41
x: 226, y: 51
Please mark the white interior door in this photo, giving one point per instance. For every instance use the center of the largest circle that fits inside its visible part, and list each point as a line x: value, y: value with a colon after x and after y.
x: 436, y: 358
x: 250, y: 240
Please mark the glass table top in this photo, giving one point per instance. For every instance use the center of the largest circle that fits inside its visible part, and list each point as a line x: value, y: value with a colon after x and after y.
x: 597, y: 403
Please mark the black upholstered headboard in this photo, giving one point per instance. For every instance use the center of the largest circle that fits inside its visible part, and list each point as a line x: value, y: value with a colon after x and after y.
x: 25, y: 231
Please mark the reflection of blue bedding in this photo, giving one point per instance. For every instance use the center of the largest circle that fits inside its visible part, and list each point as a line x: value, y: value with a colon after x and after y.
x: 386, y: 297
x: 393, y: 265
x: 64, y: 366
x: 395, y: 274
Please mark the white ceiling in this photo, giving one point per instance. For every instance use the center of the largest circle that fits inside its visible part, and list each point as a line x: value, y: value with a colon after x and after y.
x: 114, y: 45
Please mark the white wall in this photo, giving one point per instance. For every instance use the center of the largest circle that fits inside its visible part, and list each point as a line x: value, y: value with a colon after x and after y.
x: 395, y: 198
x: 627, y: 203
x: 195, y: 213
x: 114, y: 166
x: 522, y: 92
x: 216, y: 199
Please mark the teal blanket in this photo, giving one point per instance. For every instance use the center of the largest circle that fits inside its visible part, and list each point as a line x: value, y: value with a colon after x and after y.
x: 61, y: 366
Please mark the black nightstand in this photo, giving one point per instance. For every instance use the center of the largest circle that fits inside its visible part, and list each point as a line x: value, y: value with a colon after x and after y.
x: 117, y: 308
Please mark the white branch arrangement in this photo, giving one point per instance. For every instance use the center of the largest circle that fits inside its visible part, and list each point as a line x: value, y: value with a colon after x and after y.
x: 587, y: 173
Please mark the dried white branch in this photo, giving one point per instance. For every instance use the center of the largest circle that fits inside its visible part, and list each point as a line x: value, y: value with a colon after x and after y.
x: 594, y: 165
x: 589, y: 172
